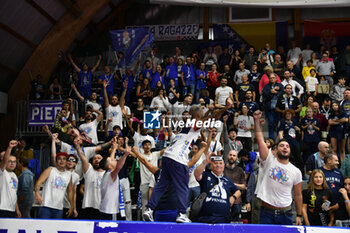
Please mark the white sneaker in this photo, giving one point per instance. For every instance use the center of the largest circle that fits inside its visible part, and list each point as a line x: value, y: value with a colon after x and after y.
x: 182, y: 218
x: 148, y: 215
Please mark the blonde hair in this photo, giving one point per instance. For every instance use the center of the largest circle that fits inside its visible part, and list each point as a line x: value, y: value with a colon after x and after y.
x: 311, y: 185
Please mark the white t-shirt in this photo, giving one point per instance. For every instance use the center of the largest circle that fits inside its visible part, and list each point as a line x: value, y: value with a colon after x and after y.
x: 73, y: 116
x: 224, y: 93
x: 8, y: 190
x: 91, y: 130
x: 160, y: 104
x: 218, y: 146
x: 244, y: 122
x: 75, y: 182
x: 277, y: 182
x: 192, y: 181
x: 311, y: 82
x: 294, y: 54
x: 178, y: 149
x: 109, y: 194
x: 89, y: 152
x: 95, y: 106
x: 145, y: 174
x: 117, y: 116
x: 92, y: 188
x: 306, y: 53
x: 55, y: 188
x: 138, y: 139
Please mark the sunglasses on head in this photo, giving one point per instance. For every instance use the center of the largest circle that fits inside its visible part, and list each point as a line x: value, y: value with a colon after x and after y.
x: 72, y: 160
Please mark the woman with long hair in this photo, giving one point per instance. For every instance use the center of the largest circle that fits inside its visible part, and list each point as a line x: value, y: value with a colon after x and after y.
x: 342, y: 208
x: 316, y: 201
x: 144, y: 91
x: 213, y: 80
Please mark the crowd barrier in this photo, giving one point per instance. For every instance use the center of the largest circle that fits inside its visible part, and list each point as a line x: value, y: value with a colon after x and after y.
x: 75, y: 226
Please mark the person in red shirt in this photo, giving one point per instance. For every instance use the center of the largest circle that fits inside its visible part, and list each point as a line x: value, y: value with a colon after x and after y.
x: 213, y: 80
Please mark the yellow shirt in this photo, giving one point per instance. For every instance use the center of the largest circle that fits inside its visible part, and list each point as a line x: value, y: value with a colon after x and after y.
x: 306, y: 71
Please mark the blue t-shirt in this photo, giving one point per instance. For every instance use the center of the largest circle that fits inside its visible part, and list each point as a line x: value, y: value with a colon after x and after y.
x: 189, y: 75
x: 200, y: 82
x: 146, y: 73
x: 155, y: 78
x: 289, y: 132
x: 310, y: 134
x: 171, y: 73
x: 110, y: 79
x: 216, y: 206
x: 85, y: 79
x: 345, y: 107
x: 252, y: 105
x: 335, y: 181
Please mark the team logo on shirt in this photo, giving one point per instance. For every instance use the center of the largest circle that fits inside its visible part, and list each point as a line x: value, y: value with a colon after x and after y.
x: 13, y: 183
x: 151, y: 120
x: 278, y: 174
x: 59, y: 183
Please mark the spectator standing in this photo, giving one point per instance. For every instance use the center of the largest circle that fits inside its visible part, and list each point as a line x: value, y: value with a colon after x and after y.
x: 25, y: 196
x: 244, y: 124
x: 239, y: 73
x: 222, y: 93
x: 316, y: 161
x: 334, y: 177
x: 342, y: 208
x: 213, y: 80
x: 90, y: 125
x: 326, y: 68
x: 294, y: 54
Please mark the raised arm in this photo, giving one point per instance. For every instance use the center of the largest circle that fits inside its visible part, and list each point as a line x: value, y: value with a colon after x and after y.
x: 122, y: 98
x: 97, y: 64
x: 77, y: 92
x: 70, y: 198
x: 105, y: 96
x: 217, y: 114
x: 144, y: 161
x: 258, y: 122
x: 120, y: 163
x: 84, y: 160
x: 196, y: 157
x: 99, y: 115
x: 12, y: 144
x: 54, y: 138
x: 77, y: 69
x: 199, y: 170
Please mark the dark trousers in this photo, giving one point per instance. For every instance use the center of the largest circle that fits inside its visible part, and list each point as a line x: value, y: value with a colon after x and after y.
x: 90, y: 213
x: 7, y: 214
x: 176, y: 173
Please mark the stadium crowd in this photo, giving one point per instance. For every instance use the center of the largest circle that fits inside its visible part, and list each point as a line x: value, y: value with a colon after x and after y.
x: 106, y: 150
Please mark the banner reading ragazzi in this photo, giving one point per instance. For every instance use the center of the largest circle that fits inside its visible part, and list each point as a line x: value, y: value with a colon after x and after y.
x: 43, y: 112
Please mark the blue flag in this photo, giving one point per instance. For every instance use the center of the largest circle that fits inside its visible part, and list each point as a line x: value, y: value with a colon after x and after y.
x: 131, y: 42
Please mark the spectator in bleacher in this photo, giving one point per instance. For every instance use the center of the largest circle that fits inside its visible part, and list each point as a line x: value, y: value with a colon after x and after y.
x: 326, y: 107
x: 173, y: 93
x: 193, y: 185
x: 235, y: 61
x: 314, y: 59
x: 38, y: 89
x: 70, y: 166
x: 146, y: 73
x: 316, y: 160
x: 160, y: 102
x: 55, y: 90
x: 265, y: 55
x: 276, y: 184
x: 222, y: 93
x: 171, y: 71
x: 229, y: 74
x: 85, y: 76
x: 236, y: 175
x: 247, y: 161
x: 334, y: 177
x: 230, y: 139
x: 188, y: 77
x: 92, y: 102
x: 178, y: 54
x: 213, y: 80
x: 210, y: 58
x: 242, y: 89
x: 306, y: 55
x: 315, y: 198
x: 337, y: 121
x: 248, y: 101
x: 295, y: 72
x: 294, y: 54
x: 239, y: 74
x: 201, y: 76
x: 337, y: 91
x: 157, y: 76
x: 222, y: 192
x: 224, y: 59
x: 320, y: 117
x: 311, y: 83
x: 310, y: 134
x: 215, y: 146
x: 57, y: 181
x: 90, y: 125
x: 268, y: 70
x: 307, y: 69
x: 140, y: 135
x: 262, y: 63
x: 144, y: 91
x: 278, y: 65
x: 110, y: 190
x: 342, y: 208
x: 250, y: 58
x: 9, y: 184
x: 114, y: 107
x: 270, y: 93
x: 185, y: 106
x: 326, y: 68
x: 25, y: 197
x: 109, y: 77
x: 92, y: 183
x: 288, y: 101
x: 153, y: 58
x: 244, y: 124
x: 294, y: 84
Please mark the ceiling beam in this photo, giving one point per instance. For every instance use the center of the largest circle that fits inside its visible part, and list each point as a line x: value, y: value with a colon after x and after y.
x: 8, y: 69
x: 18, y: 36
x: 118, y: 10
x: 42, y: 11
x: 73, y: 9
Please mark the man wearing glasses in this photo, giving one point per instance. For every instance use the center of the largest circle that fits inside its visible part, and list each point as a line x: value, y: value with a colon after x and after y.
x: 8, y: 184
x: 326, y: 68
